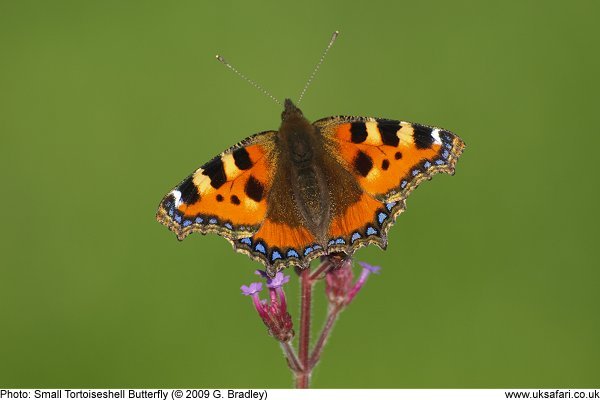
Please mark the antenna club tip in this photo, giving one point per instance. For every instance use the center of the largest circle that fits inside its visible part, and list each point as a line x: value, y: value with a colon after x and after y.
x: 221, y: 59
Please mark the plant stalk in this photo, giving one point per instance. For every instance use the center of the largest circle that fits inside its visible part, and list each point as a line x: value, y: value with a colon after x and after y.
x: 334, y: 312
x: 303, y: 378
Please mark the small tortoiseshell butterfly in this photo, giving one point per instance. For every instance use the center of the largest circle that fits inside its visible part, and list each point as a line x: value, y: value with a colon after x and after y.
x: 286, y: 197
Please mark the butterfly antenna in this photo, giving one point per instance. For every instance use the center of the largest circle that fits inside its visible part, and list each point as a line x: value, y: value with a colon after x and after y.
x: 256, y: 85
x: 312, y: 76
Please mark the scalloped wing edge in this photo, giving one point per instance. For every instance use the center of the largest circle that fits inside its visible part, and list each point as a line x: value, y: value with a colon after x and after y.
x: 202, y: 224
x: 276, y: 259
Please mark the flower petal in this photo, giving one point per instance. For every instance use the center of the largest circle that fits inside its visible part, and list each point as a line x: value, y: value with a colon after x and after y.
x: 371, y: 268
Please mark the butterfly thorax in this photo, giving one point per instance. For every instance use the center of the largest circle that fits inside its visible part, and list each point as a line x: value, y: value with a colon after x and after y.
x: 301, y: 154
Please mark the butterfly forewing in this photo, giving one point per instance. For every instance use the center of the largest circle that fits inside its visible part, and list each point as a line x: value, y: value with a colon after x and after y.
x: 389, y: 158
x: 227, y: 195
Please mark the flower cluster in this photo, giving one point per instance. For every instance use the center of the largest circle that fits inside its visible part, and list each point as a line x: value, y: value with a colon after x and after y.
x: 336, y: 270
x: 339, y: 287
x: 273, y: 312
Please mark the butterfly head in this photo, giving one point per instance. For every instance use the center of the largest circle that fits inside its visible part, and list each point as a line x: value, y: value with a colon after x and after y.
x: 290, y: 111
x: 293, y: 125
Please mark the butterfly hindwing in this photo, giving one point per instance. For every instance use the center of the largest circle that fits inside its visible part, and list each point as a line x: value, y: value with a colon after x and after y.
x: 283, y: 239
x: 227, y: 195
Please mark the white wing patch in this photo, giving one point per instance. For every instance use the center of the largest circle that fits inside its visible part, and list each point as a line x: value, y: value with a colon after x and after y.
x: 177, y: 195
x: 435, y: 134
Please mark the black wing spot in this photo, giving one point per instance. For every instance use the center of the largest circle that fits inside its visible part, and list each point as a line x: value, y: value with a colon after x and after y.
x: 189, y: 191
x: 385, y: 164
x: 242, y: 159
x: 235, y: 200
x: 254, y: 189
x: 215, y: 170
x: 363, y: 163
x: 388, y: 130
x: 219, y: 198
x: 422, y: 136
x: 398, y: 155
x: 358, y: 131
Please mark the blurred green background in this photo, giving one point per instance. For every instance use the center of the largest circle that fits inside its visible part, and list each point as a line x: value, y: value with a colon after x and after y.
x: 491, y: 277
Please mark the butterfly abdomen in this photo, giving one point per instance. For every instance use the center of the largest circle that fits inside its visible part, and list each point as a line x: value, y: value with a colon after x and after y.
x: 313, y: 199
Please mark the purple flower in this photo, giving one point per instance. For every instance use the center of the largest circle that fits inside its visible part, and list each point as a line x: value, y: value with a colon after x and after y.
x: 273, y: 312
x: 261, y: 273
x: 338, y: 282
x: 254, y: 288
x: 371, y: 268
x: 367, y: 269
x: 277, y: 282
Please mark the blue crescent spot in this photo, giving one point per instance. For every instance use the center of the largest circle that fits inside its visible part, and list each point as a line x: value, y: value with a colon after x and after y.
x: 371, y: 231
x: 228, y: 225
x: 167, y: 204
x: 415, y: 172
x: 448, y: 146
x: 355, y: 236
x: 308, y: 250
x: 403, y: 184
x: 199, y: 220
x: 381, y: 217
x: 439, y: 162
x: 187, y: 222
x: 391, y: 205
x: 317, y: 247
x: 212, y: 221
x: 340, y: 241
x: 171, y: 211
x: 246, y: 241
x: 276, y: 255
x: 331, y: 243
x: 260, y: 248
x: 177, y: 217
x: 292, y: 253
x: 427, y: 164
x: 445, y: 154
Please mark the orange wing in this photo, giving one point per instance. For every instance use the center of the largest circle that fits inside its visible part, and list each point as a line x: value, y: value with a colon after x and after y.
x: 230, y: 195
x: 227, y: 195
x: 278, y: 245
x: 388, y: 159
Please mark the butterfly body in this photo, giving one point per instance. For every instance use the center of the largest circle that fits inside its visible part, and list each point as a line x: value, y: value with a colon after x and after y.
x: 303, y: 173
x: 286, y: 197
